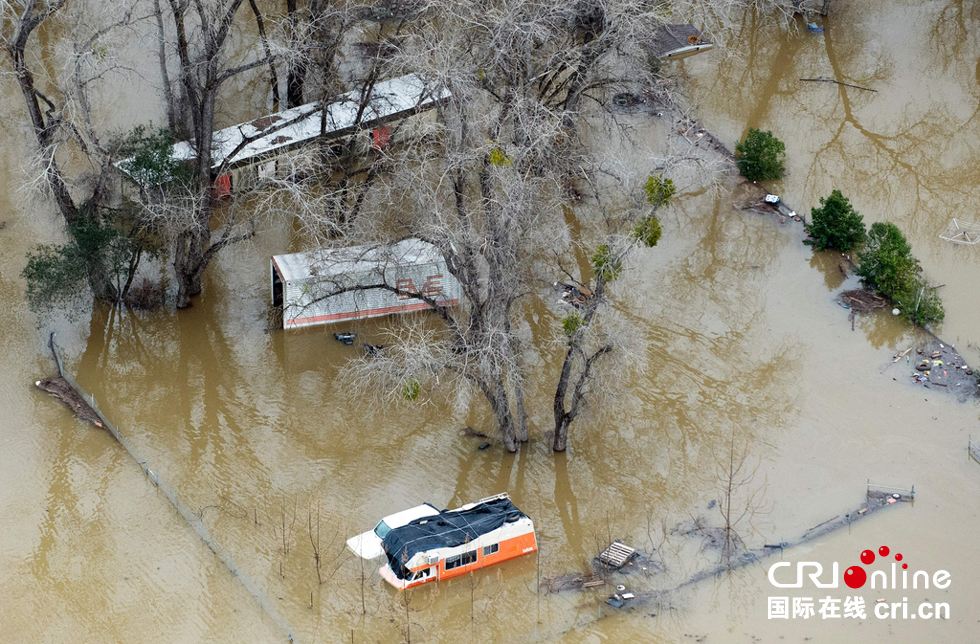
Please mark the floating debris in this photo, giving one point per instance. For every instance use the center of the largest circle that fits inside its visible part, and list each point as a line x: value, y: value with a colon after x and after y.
x: 961, y: 232
x: 60, y: 389
x: 616, y: 555
x: 574, y: 581
x: 862, y: 301
x: 572, y: 295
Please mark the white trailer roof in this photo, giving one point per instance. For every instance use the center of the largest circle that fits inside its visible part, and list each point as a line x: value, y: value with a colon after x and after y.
x: 352, y: 260
x: 389, y: 98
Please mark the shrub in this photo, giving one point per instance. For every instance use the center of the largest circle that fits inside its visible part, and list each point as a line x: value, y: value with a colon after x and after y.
x: 572, y: 323
x: 99, y: 256
x: 920, y: 303
x: 411, y: 389
x: 659, y: 191
x: 648, y: 231
x: 836, y: 224
x: 149, y: 157
x: 761, y: 156
x: 605, y: 264
x: 888, y: 265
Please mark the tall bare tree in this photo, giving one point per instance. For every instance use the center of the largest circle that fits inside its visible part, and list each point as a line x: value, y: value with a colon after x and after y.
x: 625, y: 225
x: 202, y: 30
x: 60, y: 115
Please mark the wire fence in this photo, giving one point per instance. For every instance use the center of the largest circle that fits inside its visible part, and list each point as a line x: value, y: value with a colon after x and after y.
x: 193, y: 518
x: 908, y: 492
x: 973, y: 449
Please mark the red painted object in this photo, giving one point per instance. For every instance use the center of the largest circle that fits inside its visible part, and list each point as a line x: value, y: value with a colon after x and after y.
x: 222, y: 186
x: 381, y: 137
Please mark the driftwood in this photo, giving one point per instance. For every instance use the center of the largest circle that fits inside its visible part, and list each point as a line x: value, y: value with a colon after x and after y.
x: 574, y: 581
x: 831, y: 80
x: 60, y: 389
x: 862, y: 301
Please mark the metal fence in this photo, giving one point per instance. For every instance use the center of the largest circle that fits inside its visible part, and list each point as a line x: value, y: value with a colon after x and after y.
x: 973, y: 449
x: 909, y: 492
x: 194, y: 519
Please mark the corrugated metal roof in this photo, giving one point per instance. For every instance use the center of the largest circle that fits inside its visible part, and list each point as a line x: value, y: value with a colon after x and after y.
x: 670, y: 38
x: 352, y: 260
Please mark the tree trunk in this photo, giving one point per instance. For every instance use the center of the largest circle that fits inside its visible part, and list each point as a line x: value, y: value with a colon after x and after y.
x: 505, y: 420
x: 168, y: 90
x: 44, y: 133
x: 561, y: 433
x: 189, y: 255
x: 562, y: 419
x: 274, y: 78
x: 296, y: 76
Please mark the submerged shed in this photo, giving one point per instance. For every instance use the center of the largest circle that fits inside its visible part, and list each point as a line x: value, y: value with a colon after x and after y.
x: 678, y: 41
x: 323, y: 287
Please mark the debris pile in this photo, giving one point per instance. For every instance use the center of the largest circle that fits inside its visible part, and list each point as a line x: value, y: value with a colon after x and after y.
x: 939, y: 365
x: 862, y: 301
x: 572, y: 295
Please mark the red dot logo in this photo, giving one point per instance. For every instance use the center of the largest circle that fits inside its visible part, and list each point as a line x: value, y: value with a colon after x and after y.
x: 905, y: 566
x: 867, y: 557
x: 898, y: 557
x: 855, y: 576
x: 883, y: 551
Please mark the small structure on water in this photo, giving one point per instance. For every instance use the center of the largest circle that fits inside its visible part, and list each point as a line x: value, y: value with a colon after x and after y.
x: 678, y: 41
x: 455, y: 542
x: 357, y: 282
x: 961, y: 232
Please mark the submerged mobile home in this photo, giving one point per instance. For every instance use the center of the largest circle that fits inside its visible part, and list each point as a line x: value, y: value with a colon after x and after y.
x: 357, y: 282
x: 249, y: 151
x: 455, y: 542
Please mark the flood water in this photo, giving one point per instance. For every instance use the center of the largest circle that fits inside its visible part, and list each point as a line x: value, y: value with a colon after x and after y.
x: 740, y: 335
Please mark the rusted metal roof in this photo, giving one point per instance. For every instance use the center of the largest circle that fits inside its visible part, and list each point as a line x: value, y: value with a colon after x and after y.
x: 678, y: 41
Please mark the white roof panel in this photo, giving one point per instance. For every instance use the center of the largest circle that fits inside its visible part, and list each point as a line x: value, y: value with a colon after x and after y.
x: 352, y: 260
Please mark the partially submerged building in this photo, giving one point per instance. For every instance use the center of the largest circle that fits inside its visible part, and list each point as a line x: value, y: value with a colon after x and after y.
x: 357, y: 282
x: 249, y: 151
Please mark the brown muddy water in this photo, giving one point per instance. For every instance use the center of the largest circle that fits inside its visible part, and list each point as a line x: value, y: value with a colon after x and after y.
x: 740, y: 332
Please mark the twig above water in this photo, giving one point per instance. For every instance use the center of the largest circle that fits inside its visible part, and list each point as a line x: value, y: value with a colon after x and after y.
x: 831, y: 80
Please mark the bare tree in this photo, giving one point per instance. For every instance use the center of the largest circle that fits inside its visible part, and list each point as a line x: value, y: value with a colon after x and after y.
x: 283, y: 526
x: 483, y: 185
x: 100, y: 251
x: 202, y: 31
x: 626, y: 225
x: 741, y: 498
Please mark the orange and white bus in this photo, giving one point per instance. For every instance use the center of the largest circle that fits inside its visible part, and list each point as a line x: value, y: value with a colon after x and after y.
x: 454, y: 542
